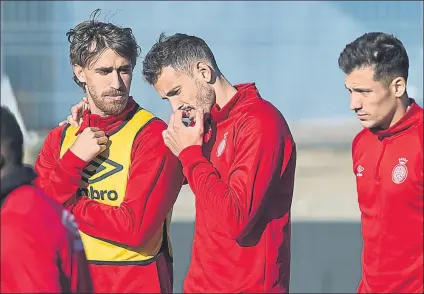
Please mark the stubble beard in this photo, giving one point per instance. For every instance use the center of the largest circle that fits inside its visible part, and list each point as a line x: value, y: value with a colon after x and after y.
x: 107, y: 106
x: 205, y: 97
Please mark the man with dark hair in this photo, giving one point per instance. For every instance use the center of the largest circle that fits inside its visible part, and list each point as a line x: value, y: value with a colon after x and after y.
x: 41, y: 250
x: 388, y: 163
x: 113, y: 172
x: 241, y: 169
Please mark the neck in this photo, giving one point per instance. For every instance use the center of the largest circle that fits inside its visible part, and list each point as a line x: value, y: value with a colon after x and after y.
x: 224, y: 91
x: 94, y: 109
x: 400, y: 111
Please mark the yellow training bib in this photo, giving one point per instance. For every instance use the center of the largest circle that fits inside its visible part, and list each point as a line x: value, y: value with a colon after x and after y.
x: 105, y: 180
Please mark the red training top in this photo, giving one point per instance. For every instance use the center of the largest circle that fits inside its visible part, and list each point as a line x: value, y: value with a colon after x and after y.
x: 389, y: 174
x: 154, y: 182
x: 41, y: 250
x: 243, y: 184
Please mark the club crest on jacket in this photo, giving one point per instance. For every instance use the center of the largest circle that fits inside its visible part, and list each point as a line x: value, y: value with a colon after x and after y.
x: 400, y: 171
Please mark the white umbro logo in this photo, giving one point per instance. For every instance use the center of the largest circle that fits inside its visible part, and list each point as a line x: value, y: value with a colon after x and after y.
x: 359, y: 171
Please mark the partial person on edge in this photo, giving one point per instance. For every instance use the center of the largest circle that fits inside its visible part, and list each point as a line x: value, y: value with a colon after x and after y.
x: 41, y: 250
x: 388, y: 164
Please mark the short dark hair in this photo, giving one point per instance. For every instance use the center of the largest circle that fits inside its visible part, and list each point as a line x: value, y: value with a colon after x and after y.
x: 11, y: 137
x: 102, y: 35
x: 384, y: 52
x: 179, y: 51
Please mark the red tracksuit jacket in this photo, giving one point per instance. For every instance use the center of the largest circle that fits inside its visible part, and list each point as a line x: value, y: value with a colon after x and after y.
x: 243, y: 184
x: 388, y: 165
x: 41, y: 251
x: 153, y: 185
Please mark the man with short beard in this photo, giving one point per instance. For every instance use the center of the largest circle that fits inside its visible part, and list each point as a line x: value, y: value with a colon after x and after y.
x: 114, y: 172
x: 239, y: 162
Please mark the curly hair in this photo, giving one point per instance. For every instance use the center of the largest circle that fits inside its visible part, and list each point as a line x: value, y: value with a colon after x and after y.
x: 179, y: 51
x: 89, y: 38
x: 384, y: 52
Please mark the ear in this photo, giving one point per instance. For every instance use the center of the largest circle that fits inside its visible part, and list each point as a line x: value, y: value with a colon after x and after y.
x: 204, y: 71
x: 399, y: 87
x: 79, y: 73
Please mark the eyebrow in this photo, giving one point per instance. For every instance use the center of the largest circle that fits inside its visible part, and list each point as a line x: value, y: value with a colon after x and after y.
x: 110, y: 68
x: 171, y: 92
x: 356, y: 89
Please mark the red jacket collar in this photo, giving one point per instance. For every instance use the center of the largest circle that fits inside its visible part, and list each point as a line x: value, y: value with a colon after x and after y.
x: 243, y: 91
x: 107, y: 123
x: 412, y: 117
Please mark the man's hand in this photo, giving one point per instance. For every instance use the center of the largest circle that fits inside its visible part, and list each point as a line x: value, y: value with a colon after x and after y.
x: 89, y: 143
x: 77, y: 111
x: 178, y: 137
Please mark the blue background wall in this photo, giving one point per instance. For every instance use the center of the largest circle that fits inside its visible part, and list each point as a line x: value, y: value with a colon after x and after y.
x: 289, y: 49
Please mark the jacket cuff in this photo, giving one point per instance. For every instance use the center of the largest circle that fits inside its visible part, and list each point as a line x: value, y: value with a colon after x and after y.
x: 71, y: 162
x: 190, y: 155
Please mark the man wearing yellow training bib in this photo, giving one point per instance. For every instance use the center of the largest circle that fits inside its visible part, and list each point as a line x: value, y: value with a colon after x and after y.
x: 113, y: 171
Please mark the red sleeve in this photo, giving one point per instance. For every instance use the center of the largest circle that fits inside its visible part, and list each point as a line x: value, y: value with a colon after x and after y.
x: 421, y: 150
x: 262, y: 145
x: 20, y: 273
x: 74, y: 262
x: 58, y: 177
x: 355, y: 147
x: 38, y: 253
x: 153, y: 185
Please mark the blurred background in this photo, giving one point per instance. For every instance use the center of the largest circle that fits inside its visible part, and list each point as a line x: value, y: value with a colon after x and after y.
x: 290, y: 49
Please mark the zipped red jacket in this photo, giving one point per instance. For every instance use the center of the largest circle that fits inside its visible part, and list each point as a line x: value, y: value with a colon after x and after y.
x: 154, y: 182
x: 388, y: 165
x: 41, y: 250
x: 243, y: 186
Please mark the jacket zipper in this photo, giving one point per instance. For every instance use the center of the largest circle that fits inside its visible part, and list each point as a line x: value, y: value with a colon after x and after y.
x: 377, y: 170
x: 377, y: 178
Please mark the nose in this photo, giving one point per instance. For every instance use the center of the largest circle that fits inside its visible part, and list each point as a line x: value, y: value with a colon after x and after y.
x: 116, y: 80
x: 175, y: 105
x: 355, y: 102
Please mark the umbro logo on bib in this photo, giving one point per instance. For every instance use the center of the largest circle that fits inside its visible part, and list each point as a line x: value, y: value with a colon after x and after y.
x: 99, y: 169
